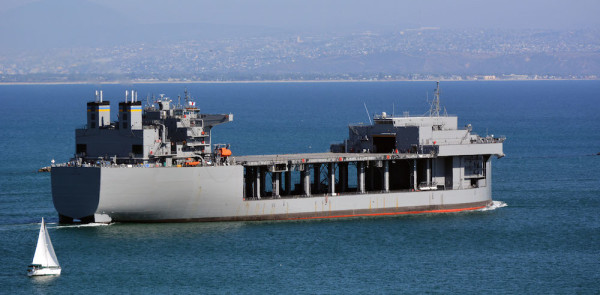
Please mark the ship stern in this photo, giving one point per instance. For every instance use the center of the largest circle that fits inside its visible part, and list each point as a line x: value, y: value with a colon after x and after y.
x: 75, y: 192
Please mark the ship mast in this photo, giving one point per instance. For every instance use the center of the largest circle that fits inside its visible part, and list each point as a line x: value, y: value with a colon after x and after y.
x: 434, y: 109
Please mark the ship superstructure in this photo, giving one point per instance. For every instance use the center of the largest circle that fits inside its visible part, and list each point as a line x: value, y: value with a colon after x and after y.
x: 157, y: 164
x: 162, y: 133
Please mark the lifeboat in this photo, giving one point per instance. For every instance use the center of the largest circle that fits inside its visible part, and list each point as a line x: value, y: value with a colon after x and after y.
x: 225, y: 152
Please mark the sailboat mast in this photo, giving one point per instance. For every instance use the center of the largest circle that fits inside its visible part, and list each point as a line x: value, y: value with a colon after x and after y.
x: 45, y: 241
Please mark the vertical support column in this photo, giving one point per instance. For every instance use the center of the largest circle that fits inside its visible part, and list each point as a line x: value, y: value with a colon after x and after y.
x: 343, y: 168
x: 257, y: 181
x: 386, y: 176
x: 331, y: 180
x: 428, y: 172
x: 370, y: 174
x: 317, y: 177
x: 262, y: 173
x: 275, y: 177
x: 488, y: 171
x: 248, y: 179
x: 288, y: 182
x: 360, y: 167
x: 306, y: 177
x: 434, y: 171
x: 281, y: 189
x: 458, y: 172
x: 414, y: 174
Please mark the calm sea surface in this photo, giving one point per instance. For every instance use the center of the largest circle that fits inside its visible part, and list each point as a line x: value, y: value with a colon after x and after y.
x: 545, y: 240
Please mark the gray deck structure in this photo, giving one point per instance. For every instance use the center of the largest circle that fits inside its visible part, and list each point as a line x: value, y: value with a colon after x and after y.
x: 159, y: 165
x: 326, y: 169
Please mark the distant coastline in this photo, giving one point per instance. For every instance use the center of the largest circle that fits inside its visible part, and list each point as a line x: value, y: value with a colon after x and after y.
x: 424, y: 54
x: 283, y: 81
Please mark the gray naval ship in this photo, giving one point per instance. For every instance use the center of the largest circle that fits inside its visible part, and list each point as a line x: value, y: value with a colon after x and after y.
x: 158, y: 164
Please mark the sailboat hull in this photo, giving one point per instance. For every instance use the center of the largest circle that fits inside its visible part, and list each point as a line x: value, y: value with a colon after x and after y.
x: 44, y: 271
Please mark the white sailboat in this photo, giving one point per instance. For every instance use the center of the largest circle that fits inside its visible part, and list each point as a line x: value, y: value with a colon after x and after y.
x: 44, y: 262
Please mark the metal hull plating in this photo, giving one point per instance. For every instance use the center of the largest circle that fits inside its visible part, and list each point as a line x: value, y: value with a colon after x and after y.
x: 217, y: 194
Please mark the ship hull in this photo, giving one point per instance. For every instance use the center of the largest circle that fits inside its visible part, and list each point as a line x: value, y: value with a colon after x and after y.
x: 111, y: 194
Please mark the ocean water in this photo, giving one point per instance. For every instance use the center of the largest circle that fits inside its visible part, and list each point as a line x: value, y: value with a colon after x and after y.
x: 544, y: 237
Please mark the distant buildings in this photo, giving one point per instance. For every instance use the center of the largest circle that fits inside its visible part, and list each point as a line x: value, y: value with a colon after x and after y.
x: 418, y: 54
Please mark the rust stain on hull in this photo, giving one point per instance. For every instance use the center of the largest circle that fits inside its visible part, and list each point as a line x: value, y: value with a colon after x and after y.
x: 335, y: 214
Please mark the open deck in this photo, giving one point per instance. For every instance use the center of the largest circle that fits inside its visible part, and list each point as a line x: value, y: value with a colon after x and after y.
x: 288, y: 175
x: 297, y: 159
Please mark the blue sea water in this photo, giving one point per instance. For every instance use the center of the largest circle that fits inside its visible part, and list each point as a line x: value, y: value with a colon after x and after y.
x: 546, y: 240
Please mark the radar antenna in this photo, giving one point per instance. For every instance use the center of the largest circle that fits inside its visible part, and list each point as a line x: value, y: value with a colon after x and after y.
x: 434, y: 109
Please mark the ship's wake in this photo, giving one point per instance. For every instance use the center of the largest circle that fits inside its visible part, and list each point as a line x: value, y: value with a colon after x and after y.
x: 495, y: 205
x: 84, y: 225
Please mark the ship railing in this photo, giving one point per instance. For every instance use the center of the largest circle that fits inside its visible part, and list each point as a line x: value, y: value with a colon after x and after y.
x: 430, y: 186
x: 428, y: 149
x: 78, y: 162
x: 108, y: 165
x: 488, y: 139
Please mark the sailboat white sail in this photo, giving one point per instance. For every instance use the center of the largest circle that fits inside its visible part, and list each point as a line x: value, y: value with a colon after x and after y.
x: 44, y: 260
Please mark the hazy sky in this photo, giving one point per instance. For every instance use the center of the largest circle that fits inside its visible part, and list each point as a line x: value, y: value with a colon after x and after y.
x: 328, y: 14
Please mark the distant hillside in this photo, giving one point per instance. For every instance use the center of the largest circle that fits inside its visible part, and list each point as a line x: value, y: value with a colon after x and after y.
x: 447, y: 63
x: 75, y: 40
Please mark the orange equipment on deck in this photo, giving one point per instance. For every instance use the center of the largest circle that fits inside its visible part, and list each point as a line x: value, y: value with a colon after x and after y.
x: 225, y: 152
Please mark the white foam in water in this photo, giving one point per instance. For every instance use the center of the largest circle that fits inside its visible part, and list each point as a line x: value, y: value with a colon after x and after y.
x: 84, y: 225
x: 495, y: 205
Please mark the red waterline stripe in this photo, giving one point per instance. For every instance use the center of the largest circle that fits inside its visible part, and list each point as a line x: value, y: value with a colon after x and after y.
x: 392, y: 213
